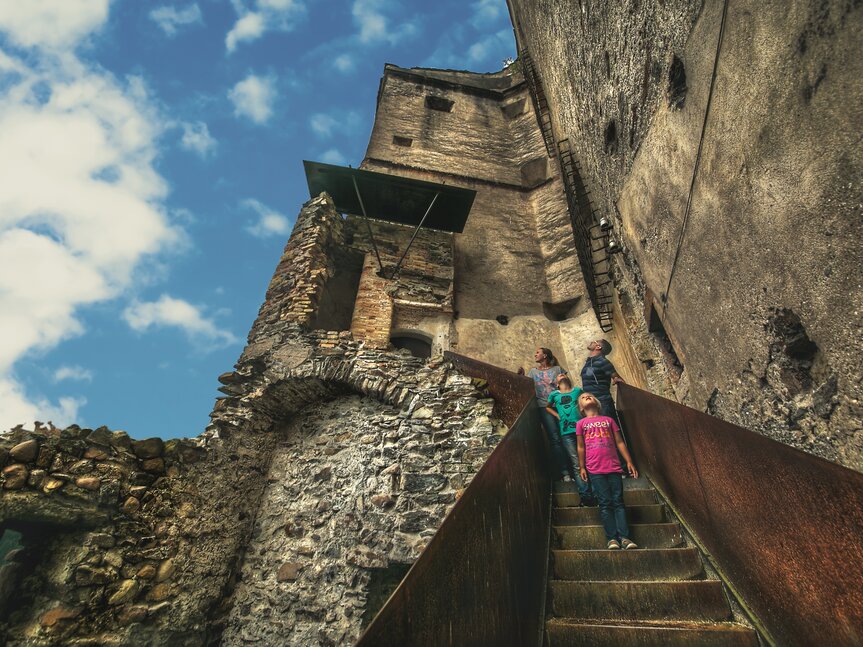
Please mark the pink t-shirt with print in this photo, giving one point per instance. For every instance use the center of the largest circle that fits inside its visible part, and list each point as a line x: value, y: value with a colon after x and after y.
x: 600, y: 450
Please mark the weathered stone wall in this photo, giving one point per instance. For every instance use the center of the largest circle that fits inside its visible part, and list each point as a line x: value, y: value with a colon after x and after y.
x: 764, y: 307
x: 517, y: 283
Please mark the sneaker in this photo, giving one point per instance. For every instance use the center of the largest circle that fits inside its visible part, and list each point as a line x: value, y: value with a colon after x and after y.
x: 567, y: 478
x: 613, y: 545
x: 628, y: 543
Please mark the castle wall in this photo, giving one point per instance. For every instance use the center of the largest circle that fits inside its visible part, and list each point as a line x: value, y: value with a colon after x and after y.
x: 763, y: 310
x: 517, y: 284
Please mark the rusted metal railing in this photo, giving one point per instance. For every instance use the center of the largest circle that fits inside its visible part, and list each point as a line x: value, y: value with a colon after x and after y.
x: 785, y: 528
x: 481, y: 580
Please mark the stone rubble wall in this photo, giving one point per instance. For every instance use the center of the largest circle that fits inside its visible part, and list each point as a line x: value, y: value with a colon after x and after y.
x: 99, y: 548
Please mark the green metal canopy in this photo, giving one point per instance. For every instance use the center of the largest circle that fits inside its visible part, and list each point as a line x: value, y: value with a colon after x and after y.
x: 391, y: 197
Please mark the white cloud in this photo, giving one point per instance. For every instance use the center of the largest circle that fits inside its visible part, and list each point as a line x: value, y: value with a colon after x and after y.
x: 326, y: 124
x: 81, y: 203
x: 267, y: 15
x: 334, y: 156
x: 487, y: 12
x: 170, y: 312
x: 253, y: 98
x: 170, y: 19
x: 270, y: 222
x: 248, y: 28
x: 197, y: 138
x: 52, y: 24
x: 490, y: 47
x: 18, y: 408
x: 375, y: 26
x: 344, y: 63
x: 74, y: 373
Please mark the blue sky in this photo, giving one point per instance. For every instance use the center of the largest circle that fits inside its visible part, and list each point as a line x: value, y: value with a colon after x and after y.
x: 150, y: 171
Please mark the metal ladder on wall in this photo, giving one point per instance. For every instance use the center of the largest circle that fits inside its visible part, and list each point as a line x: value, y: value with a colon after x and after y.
x: 540, y: 103
x: 595, y: 261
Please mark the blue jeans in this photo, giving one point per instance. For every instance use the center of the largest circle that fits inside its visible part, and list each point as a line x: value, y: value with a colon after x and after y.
x: 608, y: 489
x: 552, y: 430
x: 570, y: 445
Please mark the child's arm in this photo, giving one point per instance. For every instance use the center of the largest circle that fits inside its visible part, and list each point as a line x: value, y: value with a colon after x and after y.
x: 553, y: 412
x: 582, y: 470
x: 621, y: 447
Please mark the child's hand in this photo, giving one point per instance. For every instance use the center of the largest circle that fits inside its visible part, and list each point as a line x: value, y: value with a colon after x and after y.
x: 583, y: 474
x: 632, y: 471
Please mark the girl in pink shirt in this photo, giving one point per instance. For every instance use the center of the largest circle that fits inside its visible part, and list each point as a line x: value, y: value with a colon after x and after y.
x: 599, y: 440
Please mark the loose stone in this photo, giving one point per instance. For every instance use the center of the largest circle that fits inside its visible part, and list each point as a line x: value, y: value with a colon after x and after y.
x: 25, y: 452
x: 15, y: 476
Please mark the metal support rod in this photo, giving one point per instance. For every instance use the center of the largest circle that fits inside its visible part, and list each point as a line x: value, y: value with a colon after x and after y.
x: 368, y: 224
x: 416, y: 231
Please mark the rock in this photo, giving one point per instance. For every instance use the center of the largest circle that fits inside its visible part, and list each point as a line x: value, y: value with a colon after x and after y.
x: 393, y: 469
x: 383, y: 500
x: 58, y: 614
x: 131, y: 614
x: 155, y: 608
x: 25, y: 452
x: 149, y: 448
x: 141, y: 478
x: 101, y: 436
x: 96, y: 454
x: 15, y: 476
x: 156, y: 465
x: 46, y: 456
x: 131, y: 505
x: 159, y: 592
x: 422, y: 413
x: 113, y: 558
x: 412, y: 482
x: 288, y: 572
x: 324, y: 474
x: 36, y: 478
x: 4, y: 456
x: 147, y: 572
x: 127, y: 590
x: 102, y: 540
x: 166, y: 570
x: 86, y: 575
x: 51, y: 484
x: 190, y: 453
x: 91, y: 483
x: 121, y: 440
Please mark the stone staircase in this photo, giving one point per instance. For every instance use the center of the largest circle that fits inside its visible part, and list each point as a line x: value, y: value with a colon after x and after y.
x: 656, y: 595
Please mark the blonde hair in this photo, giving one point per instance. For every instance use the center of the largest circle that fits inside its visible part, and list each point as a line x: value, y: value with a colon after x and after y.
x: 591, y: 399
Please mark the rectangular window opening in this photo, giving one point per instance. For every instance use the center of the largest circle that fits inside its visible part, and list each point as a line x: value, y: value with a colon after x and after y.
x: 402, y: 141
x: 439, y: 103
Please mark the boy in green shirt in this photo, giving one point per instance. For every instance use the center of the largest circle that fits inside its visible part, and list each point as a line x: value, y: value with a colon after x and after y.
x: 563, y: 405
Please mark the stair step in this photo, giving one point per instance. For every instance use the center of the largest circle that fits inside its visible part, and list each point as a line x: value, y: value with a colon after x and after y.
x: 697, y: 600
x: 561, y: 632
x: 641, y: 483
x: 641, y: 564
x: 654, y: 513
x: 630, y: 497
x: 647, y: 535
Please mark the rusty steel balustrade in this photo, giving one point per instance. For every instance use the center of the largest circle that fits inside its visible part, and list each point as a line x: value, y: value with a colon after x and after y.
x: 784, y: 527
x: 595, y: 262
x: 482, y: 578
x: 540, y: 103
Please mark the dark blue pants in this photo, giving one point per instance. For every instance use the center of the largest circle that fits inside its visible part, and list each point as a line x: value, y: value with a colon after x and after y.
x: 552, y: 430
x: 570, y: 446
x: 608, y: 489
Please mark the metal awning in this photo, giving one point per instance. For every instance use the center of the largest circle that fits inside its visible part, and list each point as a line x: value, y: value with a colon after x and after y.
x: 391, y: 197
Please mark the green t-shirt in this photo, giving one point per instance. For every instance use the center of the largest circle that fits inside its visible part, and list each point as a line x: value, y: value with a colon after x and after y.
x: 566, y: 405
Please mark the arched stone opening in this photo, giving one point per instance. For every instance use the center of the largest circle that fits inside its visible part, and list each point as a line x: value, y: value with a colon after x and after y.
x: 417, y: 343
